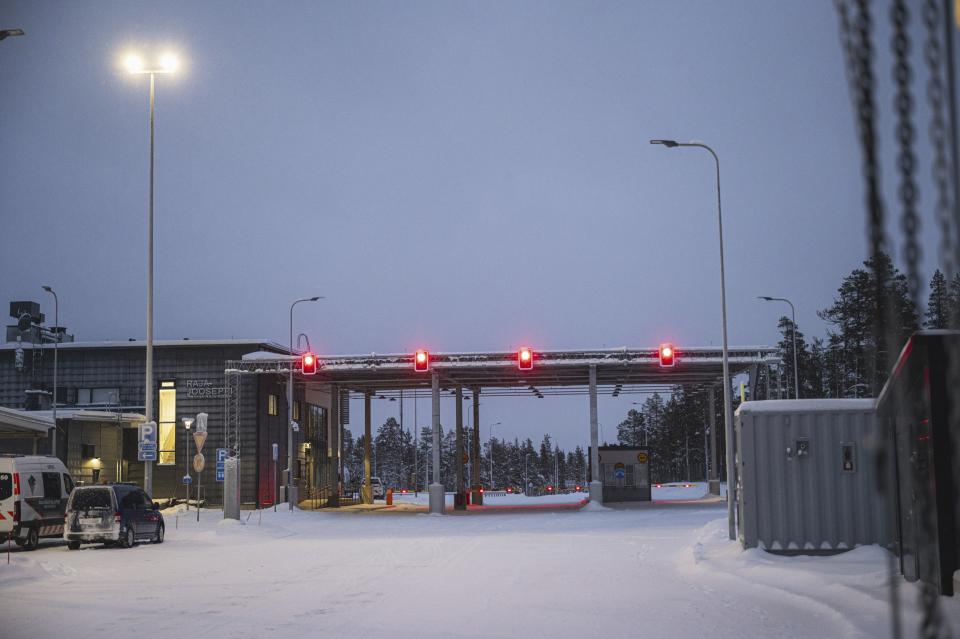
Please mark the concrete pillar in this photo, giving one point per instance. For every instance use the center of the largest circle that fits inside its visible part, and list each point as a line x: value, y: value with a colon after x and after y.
x: 461, y: 450
x: 477, y: 496
x: 436, y: 486
x: 332, y: 476
x: 596, y: 487
x: 367, y: 450
x: 712, y: 421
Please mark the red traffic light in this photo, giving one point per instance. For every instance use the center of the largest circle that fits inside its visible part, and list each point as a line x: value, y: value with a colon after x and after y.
x: 421, y: 361
x: 308, y: 364
x: 549, y: 489
x: 667, y: 355
x: 525, y: 359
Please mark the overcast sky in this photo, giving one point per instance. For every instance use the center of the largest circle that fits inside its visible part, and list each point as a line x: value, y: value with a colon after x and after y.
x: 451, y: 175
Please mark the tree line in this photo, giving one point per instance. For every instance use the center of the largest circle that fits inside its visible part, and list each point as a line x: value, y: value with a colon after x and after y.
x: 403, y: 463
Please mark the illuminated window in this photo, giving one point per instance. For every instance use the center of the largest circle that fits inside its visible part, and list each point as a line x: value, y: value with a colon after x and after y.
x: 296, y: 410
x: 167, y: 424
x: 271, y: 404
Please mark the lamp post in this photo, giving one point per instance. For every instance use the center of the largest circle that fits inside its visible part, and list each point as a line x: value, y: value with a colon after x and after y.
x: 135, y: 65
x: 56, y: 343
x: 793, y: 331
x: 6, y: 33
x: 727, y: 407
x: 492, y: 484
x: 187, y: 425
x: 291, y: 490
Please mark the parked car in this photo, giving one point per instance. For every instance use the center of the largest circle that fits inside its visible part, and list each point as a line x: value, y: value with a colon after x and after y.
x: 33, y: 495
x: 114, y: 513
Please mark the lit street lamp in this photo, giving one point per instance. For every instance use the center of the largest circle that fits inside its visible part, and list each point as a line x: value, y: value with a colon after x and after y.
x: 56, y: 344
x: 793, y: 315
x: 291, y: 489
x: 136, y: 66
x: 727, y: 407
x: 6, y: 33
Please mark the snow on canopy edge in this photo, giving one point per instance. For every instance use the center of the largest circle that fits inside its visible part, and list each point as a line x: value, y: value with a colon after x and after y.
x: 806, y: 405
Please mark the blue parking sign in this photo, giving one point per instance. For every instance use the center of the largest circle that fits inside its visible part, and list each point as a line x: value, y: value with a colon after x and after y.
x: 221, y: 459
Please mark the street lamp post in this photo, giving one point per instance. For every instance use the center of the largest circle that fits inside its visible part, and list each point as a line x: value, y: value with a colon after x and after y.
x: 291, y: 489
x: 135, y: 65
x: 727, y: 407
x: 492, y: 484
x: 793, y: 332
x: 56, y: 343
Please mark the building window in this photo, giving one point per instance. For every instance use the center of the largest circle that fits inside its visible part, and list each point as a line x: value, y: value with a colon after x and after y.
x: 98, y: 396
x: 271, y: 404
x: 296, y: 410
x: 167, y: 424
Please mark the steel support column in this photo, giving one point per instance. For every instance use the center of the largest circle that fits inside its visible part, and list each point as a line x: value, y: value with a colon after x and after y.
x: 712, y: 421
x: 367, y: 449
x: 436, y: 486
x: 596, y: 488
x: 460, y: 503
x: 477, y: 496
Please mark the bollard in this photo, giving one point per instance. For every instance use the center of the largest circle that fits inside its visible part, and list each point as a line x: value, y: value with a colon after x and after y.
x: 389, y: 497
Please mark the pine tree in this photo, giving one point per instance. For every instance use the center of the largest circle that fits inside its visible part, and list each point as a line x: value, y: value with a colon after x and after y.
x: 857, y: 362
x: 631, y: 431
x: 938, y: 304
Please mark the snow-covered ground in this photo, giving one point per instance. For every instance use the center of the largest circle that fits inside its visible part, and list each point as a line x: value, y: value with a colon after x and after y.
x: 658, y: 570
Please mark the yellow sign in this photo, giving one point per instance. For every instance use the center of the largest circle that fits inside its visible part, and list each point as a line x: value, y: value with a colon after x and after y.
x: 198, y: 462
x: 642, y: 458
x: 199, y: 438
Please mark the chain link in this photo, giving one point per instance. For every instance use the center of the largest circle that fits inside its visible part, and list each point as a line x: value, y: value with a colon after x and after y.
x: 906, y: 160
x: 940, y: 170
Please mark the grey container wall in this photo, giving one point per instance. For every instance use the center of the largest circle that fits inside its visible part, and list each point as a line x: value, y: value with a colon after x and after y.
x: 807, y: 475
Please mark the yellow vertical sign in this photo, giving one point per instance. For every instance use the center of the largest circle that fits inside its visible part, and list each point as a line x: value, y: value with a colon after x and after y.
x: 743, y: 393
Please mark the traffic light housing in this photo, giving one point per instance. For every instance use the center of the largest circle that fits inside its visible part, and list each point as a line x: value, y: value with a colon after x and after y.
x: 525, y: 359
x: 421, y: 361
x: 668, y: 355
x: 308, y: 364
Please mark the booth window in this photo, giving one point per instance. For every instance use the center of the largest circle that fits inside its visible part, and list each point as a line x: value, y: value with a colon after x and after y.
x: 271, y: 404
x: 167, y: 424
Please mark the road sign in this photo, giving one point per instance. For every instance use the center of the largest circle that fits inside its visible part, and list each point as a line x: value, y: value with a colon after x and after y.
x: 221, y: 460
x: 198, y: 462
x: 187, y: 479
x: 147, y: 447
x: 276, y: 452
x: 642, y: 457
x: 199, y: 438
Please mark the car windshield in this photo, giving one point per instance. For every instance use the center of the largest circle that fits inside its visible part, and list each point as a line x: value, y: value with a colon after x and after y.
x: 87, y: 498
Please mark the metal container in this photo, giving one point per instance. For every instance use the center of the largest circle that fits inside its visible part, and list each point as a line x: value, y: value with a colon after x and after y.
x: 807, y: 477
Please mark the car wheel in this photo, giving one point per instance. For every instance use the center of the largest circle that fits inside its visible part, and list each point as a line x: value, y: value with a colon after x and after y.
x: 33, y: 539
x: 128, y: 538
x: 73, y: 545
x: 159, y: 538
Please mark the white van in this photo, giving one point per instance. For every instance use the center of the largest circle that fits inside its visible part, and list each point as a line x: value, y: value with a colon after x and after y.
x: 33, y: 498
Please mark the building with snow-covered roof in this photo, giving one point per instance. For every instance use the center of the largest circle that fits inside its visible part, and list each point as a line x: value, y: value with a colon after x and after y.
x: 100, y: 404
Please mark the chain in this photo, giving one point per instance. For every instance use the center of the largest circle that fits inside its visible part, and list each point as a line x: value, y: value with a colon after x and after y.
x: 855, y: 40
x: 932, y: 55
x: 906, y: 163
x: 906, y: 160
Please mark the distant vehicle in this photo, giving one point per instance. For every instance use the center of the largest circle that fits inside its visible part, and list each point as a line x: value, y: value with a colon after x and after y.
x: 33, y: 495
x: 115, y: 513
x: 378, y: 488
